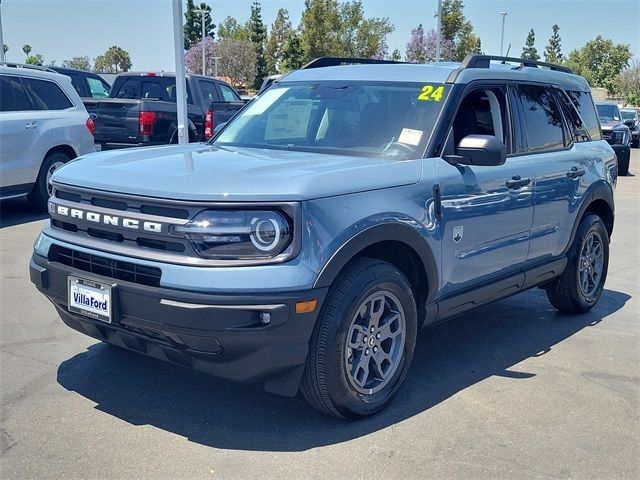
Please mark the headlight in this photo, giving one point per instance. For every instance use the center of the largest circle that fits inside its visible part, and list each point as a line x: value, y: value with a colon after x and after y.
x: 619, y: 137
x: 237, y: 234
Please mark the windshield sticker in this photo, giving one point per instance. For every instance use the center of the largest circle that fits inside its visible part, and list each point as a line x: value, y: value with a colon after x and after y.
x: 265, y: 100
x: 410, y: 136
x: 289, y: 120
x: 429, y: 93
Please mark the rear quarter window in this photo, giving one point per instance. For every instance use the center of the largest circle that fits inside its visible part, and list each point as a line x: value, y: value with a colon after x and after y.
x: 584, y: 104
x: 46, y: 95
x: 542, y: 118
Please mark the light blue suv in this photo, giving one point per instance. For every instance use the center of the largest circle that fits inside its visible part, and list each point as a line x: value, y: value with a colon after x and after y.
x: 350, y: 204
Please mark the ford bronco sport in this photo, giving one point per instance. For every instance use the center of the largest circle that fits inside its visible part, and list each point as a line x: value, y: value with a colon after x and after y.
x: 339, y: 212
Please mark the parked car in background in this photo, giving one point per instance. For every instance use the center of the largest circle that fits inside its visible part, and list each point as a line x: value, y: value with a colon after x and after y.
x: 616, y: 133
x: 87, y: 84
x: 141, y: 109
x: 43, y: 125
x: 631, y: 119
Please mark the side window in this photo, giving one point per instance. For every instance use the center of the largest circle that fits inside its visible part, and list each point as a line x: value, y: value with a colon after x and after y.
x: 6, y: 97
x: 20, y: 96
x: 482, y: 112
x: 77, y: 82
x: 130, y: 88
x: 227, y: 94
x: 97, y: 87
x: 542, y: 118
x: 584, y: 104
x: 209, y: 92
x: 46, y: 95
x: 577, y: 129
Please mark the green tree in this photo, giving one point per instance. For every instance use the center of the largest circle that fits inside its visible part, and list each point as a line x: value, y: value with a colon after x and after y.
x: 36, y: 59
x: 553, y: 51
x: 281, y: 30
x: 258, y: 37
x: 114, y: 60
x: 81, y: 63
x: 529, y: 51
x: 232, y: 30
x: 600, y: 61
x: 26, y: 49
x: 320, y: 26
x: 457, y: 29
x: 292, y: 52
x: 5, y: 47
x: 396, y: 56
x: 193, y: 24
x: 629, y: 84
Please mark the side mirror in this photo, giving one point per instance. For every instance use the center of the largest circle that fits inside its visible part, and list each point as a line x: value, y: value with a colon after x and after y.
x: 484, y: 150
x: 630, y: 123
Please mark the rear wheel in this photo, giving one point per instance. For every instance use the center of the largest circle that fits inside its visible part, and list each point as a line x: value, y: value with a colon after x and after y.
x: 580, y: 286
x: 364, y: 341
x: 43, y: 188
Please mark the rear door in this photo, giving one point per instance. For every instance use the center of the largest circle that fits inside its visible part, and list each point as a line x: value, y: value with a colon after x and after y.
x: 559, y: 166
x: 17, y: 134
x: 486, y: 210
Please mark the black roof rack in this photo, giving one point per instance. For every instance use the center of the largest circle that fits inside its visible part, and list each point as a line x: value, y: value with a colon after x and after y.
x: 337, y: 61
x: 27, y: 66
x: 484, y: 61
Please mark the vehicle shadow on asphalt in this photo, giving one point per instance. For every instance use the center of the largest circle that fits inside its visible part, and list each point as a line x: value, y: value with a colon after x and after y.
x: 449, y: 358
x: 16, y: 211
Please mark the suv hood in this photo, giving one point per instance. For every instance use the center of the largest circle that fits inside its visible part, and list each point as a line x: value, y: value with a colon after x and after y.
x: 611, y: 125
x: 201, y: 172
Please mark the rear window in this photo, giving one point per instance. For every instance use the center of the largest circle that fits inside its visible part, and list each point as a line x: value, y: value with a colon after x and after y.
x: 228, y: 94
x: 584, y: 104
x: 150, y: 87
x: 46, y: 95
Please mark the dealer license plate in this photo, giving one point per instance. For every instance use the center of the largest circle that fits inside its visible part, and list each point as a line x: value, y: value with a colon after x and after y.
x: 91, y: 299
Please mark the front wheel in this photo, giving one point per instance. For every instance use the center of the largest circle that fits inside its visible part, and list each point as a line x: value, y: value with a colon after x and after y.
x: 43, y: 188
x: 580, y: 286
x: 364, y: 341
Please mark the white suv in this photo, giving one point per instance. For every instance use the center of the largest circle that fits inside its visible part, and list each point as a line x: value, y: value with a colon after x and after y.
x: 43, y: 125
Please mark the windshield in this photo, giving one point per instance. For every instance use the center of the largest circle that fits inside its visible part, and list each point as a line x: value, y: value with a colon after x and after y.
x: 628, y: 114
x: 606, y: 113
x: 347, y: 118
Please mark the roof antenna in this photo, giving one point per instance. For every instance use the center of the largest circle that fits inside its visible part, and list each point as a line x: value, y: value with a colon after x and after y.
x: 508, y: 48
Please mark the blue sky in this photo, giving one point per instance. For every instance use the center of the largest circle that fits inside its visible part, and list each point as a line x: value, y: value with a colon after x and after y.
x: 61, y: 29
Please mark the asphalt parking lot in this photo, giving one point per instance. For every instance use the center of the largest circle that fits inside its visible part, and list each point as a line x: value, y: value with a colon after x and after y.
x: 513, y: 390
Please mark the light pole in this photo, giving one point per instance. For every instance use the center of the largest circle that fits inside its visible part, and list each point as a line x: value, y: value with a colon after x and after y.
x: 181, y: 82
x: 439, y: 30
x: 504, y: 15
x: 202, y: 13
x: 2, y: 59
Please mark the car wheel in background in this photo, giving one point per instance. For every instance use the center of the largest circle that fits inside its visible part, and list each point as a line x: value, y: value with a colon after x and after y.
x: 42, y: 189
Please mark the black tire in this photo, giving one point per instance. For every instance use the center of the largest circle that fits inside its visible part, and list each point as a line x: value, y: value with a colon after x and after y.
x: 623, y: 163
x: 565, y: 293
x: 326, y: 383
x: 39, y: 196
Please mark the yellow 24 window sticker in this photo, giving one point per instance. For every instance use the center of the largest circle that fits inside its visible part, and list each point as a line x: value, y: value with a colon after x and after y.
x: 430, y: 93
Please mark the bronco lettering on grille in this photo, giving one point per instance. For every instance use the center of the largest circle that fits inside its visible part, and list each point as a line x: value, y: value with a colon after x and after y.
x: 112, y: 220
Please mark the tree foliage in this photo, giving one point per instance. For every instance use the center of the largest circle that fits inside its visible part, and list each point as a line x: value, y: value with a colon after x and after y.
x: 114, y: 60
x: 458, y: 30
x: 421, y: 47
x: 629, y: 84
x: 292, y: 52
x: 5, y: 47
x: 529, y: 51
x: 600, y: 61
x: 36, y: 59
x: 193, y: 24
x: 281, y: 30
x: 331, y: 28
x: 26, y: 49
x: 396, y: 56
x: 81, y: 63
x: 258, y: 36
x: 236, y: 59
x: 553, y: 51
x: 231, y: 29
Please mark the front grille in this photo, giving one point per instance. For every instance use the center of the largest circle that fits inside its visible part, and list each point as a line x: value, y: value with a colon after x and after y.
x: 116, y: 269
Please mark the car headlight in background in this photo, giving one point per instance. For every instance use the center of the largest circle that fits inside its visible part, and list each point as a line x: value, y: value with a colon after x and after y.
x: 237, y: 234
x: 619, y: 137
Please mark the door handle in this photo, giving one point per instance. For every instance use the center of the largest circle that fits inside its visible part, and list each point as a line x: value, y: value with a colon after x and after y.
x: 575, y: 172
x: 28, y: 126
x: 517, y: 182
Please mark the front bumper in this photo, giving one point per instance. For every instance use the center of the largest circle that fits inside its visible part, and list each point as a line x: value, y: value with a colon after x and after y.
x: 217, y: 334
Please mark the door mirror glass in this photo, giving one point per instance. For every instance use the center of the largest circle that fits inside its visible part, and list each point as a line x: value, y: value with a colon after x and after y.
x: 481, y: 150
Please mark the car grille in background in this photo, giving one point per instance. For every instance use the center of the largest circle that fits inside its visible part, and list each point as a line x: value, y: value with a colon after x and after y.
x: 116, y: 269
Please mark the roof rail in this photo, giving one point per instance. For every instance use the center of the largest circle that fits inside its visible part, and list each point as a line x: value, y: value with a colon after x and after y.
x: 27, y: 66
x: 483, y: 61
x: 337, y: 61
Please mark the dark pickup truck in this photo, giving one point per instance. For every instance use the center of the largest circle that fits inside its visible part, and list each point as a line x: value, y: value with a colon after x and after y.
x: 141, y: 110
